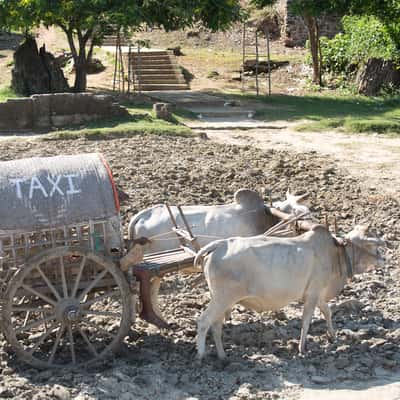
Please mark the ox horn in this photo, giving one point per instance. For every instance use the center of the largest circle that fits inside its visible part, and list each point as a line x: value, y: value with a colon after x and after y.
x: 377, y: 241
x: 302, y: 197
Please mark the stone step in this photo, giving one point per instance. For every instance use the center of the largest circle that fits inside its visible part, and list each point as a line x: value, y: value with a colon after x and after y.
x: 159, y: 68
x: 222, y: 112
x: 151, y: 87
x: 154, y: 63
x: 145, y: 57
x: 151, y: 53
x: 173, y: 80
x: 156, y: 74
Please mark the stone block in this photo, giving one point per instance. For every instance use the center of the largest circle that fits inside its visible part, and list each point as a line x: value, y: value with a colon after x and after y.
x: 41, y: 110
x: 16, y: 114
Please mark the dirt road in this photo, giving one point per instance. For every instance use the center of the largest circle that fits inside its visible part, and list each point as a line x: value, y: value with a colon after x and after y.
x: 373, y: 159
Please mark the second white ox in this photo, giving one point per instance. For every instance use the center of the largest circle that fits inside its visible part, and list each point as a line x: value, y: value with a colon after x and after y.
x: 246, y: 216
x: 264, y: 273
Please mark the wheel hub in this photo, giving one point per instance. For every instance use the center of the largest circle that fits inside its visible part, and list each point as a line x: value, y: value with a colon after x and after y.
x: 68, y: 311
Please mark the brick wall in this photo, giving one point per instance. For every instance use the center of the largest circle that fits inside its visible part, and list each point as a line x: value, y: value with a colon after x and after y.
x: 294, y: 31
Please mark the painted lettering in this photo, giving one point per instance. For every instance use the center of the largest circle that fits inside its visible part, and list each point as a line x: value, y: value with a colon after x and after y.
x: 17, y: 182
x: 55, y: 184
x: 36, y: 185
x: 72, y: 189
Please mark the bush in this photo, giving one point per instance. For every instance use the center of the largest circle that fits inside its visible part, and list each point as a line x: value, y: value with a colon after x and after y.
x: 363, y: 38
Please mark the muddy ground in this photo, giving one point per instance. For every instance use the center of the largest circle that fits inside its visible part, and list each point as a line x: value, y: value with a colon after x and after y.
x: 263, y: 361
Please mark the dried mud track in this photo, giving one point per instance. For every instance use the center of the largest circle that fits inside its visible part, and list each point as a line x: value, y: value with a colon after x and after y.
x: 373, y: 159
x: 262, y: 351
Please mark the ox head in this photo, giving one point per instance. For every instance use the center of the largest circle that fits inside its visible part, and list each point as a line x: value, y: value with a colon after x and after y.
x: 363, y: 249
x: 292, y: 204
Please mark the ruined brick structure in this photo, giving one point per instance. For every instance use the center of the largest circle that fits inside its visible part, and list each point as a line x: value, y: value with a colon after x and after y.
x: 294, y: 31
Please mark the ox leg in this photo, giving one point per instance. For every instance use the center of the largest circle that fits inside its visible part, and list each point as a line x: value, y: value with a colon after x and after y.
x: 154, y: 290
x: 216, y: 329
x: 308, y: 311
x: 326, y: 311
x: 213, y: 313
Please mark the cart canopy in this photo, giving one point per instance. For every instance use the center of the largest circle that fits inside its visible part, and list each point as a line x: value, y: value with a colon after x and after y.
x: 40, y: 193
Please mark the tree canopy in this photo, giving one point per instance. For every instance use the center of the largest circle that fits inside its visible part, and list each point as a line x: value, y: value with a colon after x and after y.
x: 387, y: 11
x: 85, y: 22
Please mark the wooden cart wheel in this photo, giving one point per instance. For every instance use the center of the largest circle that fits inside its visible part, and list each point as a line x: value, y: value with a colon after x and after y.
x: 67, y: 307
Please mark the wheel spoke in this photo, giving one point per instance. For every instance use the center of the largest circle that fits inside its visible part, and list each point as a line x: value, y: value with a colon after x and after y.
x: 28, y: 314
x: 86, y: 339
x: 30, y: 309
x: 48, y: 283
x: 71, y: 344
x: 95, y: 326
x: 78, y: 277
x: 38, y: 294
x: 43, y: 337
x: 101, y: 313
x: 35, y: 324
x: 55, y: 345
x: 111, y: 293
x: 64, y: 281
x: 98, y: 278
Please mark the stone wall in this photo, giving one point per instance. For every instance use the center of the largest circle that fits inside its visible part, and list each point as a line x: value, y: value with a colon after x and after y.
x: 47, y: 111
x: 294, y: 31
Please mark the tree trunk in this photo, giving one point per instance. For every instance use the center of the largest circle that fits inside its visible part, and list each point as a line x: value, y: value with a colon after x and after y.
x: 80, y: 58
x: 80, y: 76
x: 378, y: 75
x: 314, y: 39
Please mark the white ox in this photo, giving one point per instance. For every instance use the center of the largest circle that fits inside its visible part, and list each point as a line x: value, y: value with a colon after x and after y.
x: 265, y: 273
x: 246, y: 216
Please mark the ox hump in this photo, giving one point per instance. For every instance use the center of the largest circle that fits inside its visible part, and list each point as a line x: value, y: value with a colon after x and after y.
x: 247, y: 197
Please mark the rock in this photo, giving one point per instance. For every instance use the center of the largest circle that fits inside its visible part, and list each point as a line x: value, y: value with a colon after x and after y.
x: 163, y: 111
x: 193, y: 34
x: 6, y: 393
x: 212, y: 74
x: 95, y: 66
x: 244, y: 391
x: 177, y: 51
x: 60, y: 392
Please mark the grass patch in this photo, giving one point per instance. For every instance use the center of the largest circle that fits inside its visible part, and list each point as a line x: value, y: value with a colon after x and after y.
x: 6, y: 93
x: 140, y: 121
x: 354, y: 114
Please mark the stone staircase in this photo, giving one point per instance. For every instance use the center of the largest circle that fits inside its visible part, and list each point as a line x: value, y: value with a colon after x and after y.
x: 156, y: 70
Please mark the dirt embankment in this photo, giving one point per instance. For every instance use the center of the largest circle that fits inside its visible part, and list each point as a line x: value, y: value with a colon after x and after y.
x: 262, y: 352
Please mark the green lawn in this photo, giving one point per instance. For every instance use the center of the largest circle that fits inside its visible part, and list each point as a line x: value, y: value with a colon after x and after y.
x: 352, y: 114
x: 6, y: 93
x: 140, y: 121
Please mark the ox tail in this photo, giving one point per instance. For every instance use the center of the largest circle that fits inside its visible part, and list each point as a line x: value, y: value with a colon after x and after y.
x: 204, y: 252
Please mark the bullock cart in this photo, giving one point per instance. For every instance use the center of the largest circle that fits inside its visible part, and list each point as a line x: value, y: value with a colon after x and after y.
x: 67, y: 298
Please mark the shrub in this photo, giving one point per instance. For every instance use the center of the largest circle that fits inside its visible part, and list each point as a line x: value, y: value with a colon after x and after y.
x: 363, y: 38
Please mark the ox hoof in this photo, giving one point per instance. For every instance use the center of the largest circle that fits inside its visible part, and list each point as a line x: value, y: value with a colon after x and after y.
x: 331, y: 337
x: 222, y: 363
x: 199, y: 359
